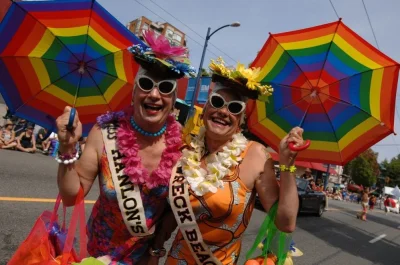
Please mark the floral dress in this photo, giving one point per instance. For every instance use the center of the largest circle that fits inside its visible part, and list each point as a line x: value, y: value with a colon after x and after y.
x: 106, y: 229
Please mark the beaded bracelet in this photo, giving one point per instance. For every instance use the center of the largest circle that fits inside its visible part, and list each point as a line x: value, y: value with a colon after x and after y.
x: 284, y: 168
x: 68, y: 158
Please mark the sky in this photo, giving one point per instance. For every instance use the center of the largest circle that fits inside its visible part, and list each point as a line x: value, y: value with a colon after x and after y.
x: 258, y: 18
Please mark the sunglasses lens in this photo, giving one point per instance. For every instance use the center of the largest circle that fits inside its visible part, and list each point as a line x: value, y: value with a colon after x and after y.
x: 166, y: 87
x: 235, y: 107
x: 146, y: 84
x: 217, y: 101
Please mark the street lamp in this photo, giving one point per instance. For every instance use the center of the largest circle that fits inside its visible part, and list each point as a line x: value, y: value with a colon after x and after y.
x: 198, y: 78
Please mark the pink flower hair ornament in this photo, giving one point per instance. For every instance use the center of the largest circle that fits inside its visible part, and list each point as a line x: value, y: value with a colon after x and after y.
x: 162, y: 58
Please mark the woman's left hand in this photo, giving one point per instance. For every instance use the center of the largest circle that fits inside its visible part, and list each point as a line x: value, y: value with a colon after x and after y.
x: 286, y: 155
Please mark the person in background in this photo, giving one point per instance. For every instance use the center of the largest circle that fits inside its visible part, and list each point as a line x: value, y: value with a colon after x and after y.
x: 7, y: 136
x: 364, y: 204
x: 389, y: 203
x: 307, y: 175
x: 372, y: 202
x: 44, y: 143
x: 20, y: 127
x: 26, y: 141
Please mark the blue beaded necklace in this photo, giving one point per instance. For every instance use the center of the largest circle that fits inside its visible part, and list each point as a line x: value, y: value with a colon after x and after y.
x: 143, y: 132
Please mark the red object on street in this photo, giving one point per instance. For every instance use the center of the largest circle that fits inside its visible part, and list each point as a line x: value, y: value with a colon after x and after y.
x: 389, y: 202
x: 354, y: 187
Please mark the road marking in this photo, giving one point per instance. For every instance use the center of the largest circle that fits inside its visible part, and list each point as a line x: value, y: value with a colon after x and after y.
x: 17, y: 199
x: 377, y: 238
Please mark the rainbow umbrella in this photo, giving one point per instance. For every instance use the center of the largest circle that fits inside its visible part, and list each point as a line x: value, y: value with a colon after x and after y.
x: 332, y: 83
x: 59, y: 53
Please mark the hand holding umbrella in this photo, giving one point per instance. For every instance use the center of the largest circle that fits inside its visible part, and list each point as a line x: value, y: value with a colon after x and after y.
x: 292, y: 143
x: 69, y: 129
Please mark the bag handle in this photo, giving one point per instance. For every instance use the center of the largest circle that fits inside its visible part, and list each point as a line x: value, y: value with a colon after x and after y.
x: 78, y: 214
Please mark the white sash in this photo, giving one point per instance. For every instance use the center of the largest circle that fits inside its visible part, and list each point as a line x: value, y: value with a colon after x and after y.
x: 182, y: 209
x: 128, y: 194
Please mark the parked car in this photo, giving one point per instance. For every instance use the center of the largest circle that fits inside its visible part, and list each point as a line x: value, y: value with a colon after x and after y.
x: 310, y: 201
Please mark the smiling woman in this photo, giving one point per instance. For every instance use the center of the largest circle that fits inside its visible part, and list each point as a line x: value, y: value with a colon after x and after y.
x: 133, y: 153
x: 213, y: 190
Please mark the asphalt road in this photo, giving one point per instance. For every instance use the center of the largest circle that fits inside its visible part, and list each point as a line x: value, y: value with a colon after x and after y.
x: 336, y: 238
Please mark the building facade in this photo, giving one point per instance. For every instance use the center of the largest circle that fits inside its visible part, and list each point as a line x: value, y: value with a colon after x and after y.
x: 175, y: 36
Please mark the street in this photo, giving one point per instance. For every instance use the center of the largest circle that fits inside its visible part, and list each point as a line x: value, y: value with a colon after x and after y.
x: 336, y: 238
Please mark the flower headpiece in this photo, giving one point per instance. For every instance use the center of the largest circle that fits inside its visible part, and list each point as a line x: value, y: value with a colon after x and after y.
x: 161, y: 57
x: 246, y: 80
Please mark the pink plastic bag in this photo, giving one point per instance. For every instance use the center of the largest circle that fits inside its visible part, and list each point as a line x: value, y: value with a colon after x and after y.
x: 48, y: 243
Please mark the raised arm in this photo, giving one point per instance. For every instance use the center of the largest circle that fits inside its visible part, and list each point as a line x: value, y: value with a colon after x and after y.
x: 286, y: 193
x: 84, y: 171
x: 19, y: 138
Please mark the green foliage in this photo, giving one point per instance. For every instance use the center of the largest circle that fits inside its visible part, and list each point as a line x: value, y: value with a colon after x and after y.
x: 392, y: 171
x: 362, y: 171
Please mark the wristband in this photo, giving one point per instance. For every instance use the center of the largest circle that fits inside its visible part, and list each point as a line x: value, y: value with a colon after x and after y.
x: 284, y: 168
x: 68, y: 158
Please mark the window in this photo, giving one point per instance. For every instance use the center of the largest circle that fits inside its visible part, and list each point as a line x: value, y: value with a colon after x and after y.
x: 145, y: 26
x: 177, y: 37
x: 169, y: 34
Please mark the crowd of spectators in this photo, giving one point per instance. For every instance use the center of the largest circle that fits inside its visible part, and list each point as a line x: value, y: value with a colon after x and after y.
x: 21, y: 135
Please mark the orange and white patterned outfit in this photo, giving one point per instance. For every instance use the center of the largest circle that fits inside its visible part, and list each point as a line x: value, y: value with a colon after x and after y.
x: 222, y: 218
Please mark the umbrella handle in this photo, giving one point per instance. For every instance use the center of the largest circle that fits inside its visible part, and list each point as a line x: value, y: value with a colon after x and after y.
x: 71, y: 119
x: 299, y: 148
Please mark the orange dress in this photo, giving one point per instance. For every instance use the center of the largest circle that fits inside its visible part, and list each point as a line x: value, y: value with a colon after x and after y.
x: 222, y: 218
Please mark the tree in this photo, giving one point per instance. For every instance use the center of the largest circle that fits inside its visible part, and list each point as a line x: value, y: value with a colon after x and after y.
x: 393, y: 171
x: 367, y: 176
x: 372, y: 159
x: 362, y: 172
x: 347, y: 168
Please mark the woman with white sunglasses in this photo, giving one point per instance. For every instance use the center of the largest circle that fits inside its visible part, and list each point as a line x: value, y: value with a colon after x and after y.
x: 213, y: 189
x: 132, y: 152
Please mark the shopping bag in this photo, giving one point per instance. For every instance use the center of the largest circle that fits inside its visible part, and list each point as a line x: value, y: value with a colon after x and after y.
x: 48, y: 243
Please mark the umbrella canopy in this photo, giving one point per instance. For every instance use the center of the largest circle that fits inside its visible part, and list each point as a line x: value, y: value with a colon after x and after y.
x: 332, y: 83
x: 59, y: 53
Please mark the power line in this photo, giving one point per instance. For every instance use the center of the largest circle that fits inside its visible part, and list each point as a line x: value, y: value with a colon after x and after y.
x: 195, y: 32
x: 395, y: 144
x: 370, y: 24
x: 166, y: 21
x: 377, y: 45
x: 334, y: 9
x: 386, y: 145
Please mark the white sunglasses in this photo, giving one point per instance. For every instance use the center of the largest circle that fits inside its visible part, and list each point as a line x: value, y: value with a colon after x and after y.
x: 165, y: 87
x: 235, y: 107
